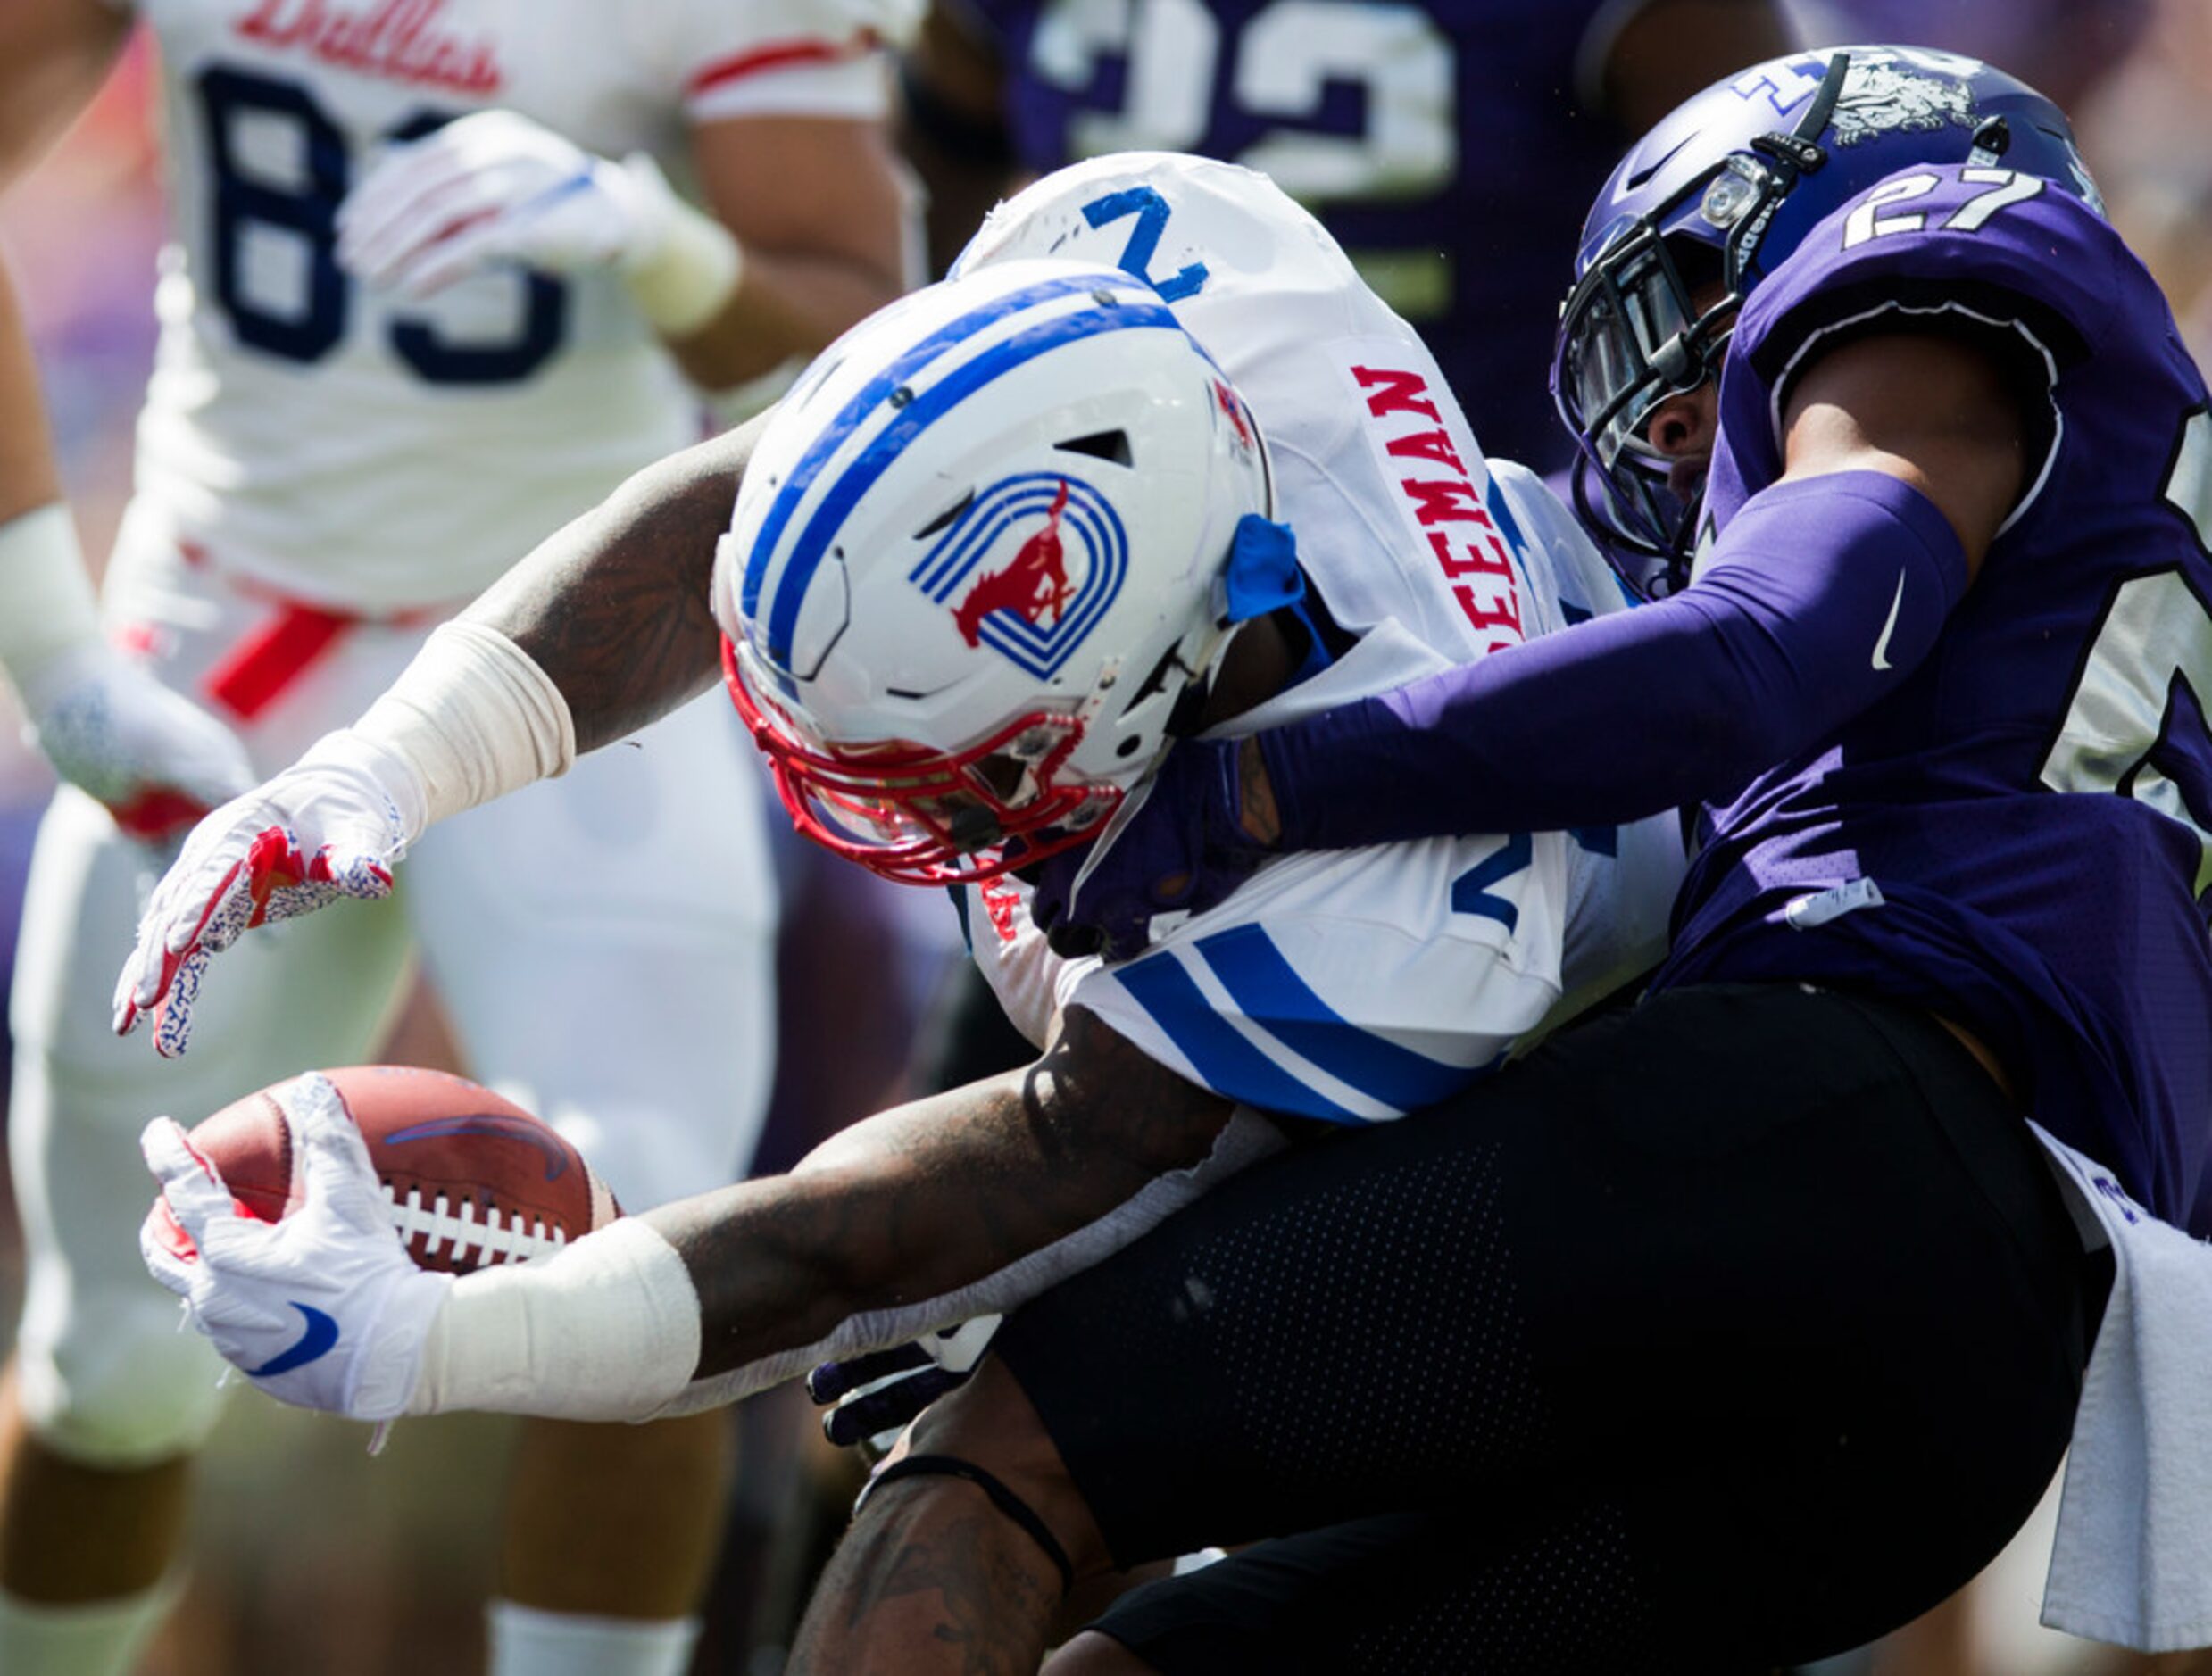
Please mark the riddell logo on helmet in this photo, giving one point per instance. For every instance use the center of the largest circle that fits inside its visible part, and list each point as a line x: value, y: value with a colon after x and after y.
x: 1029, y: 568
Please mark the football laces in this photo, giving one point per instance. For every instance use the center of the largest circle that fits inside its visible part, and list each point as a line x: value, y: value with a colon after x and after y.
x: 444, y: 1221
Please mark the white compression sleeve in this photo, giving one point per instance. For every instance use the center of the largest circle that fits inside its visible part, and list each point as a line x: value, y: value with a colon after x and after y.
x: 47, y: 603
x: 607, y: 1329
x: 475, y: 717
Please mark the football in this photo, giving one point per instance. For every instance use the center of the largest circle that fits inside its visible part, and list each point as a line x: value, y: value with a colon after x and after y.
x: 472, y: 1178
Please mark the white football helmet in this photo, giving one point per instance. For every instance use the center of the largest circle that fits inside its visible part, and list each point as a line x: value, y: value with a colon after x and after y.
x: 977, y: 559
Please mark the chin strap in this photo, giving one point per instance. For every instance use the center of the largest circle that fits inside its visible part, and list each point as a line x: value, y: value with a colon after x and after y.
x: 1647, y: 570
x: 1799, y: 152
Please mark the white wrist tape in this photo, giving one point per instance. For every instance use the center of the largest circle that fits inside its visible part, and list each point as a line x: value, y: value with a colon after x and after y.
x: 607, y: 1329
x: 46, y: 602
x: 475, y: 717
x: 682, y: 279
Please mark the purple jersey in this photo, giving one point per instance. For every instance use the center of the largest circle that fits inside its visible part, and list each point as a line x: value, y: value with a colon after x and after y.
x: 1441, y: 143
x: 2016, y: 838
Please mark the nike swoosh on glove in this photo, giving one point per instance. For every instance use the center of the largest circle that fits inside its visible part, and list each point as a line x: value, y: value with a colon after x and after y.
x: 323, y: 1309
x: 1183, y: 848
x: 333, y: 826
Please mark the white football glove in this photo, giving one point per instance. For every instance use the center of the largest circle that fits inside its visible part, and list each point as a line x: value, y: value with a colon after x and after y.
x: 156, y: 760
x: 333, y: 824
x: 323, y: 1309
x: 498, y: 187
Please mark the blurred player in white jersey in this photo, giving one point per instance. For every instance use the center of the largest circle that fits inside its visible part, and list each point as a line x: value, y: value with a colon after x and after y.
x: 991, y: 552
x: 431, y: 294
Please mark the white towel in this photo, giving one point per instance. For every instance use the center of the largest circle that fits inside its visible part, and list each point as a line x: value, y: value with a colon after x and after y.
x: 2132, y: 1560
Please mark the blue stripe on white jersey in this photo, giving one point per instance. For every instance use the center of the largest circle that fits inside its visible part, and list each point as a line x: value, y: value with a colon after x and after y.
x: 1280, y: 1046
x: 1224, y: 1059
x: 1281, y: 1002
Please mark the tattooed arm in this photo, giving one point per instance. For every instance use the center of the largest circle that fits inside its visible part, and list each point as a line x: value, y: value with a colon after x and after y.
x: 961, y: 1204
x: 956, y: 1206
x: 971, y: 1201
x: 613, y: 606
x: 968, y: 1202
x: 948, y: 1207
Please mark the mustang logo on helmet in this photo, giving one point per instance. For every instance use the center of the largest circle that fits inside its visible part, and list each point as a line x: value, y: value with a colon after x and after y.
x: 1035, y: 586
x: 1033, y: 608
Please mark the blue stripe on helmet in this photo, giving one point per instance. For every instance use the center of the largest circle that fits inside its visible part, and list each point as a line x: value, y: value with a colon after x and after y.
x: 909, y: 423
x: 1272, y: 995
x: 876, y: 391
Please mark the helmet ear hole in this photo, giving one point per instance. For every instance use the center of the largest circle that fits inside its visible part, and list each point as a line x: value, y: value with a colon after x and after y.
x: 1109, y: 445
x: 1185, y: 701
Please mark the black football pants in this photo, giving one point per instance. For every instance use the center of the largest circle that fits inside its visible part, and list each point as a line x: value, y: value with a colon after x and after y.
x: 1720, y: 1333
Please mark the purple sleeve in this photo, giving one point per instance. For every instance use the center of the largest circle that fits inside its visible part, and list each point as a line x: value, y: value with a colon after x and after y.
x: 1820, y: 597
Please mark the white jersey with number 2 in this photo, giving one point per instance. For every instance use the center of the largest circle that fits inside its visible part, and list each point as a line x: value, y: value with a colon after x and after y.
x: 1349, y: 985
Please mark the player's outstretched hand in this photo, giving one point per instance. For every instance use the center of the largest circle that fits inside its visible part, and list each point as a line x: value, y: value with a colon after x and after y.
x: 324, y: 1308
x: 333, y: 824
x: 153, y: 757
x: 497, y: 187
x: 1184, y: 848
x: 872, y: 1397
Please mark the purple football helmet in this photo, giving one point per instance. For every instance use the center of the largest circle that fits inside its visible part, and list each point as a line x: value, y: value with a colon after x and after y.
x: 1714, y: 199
